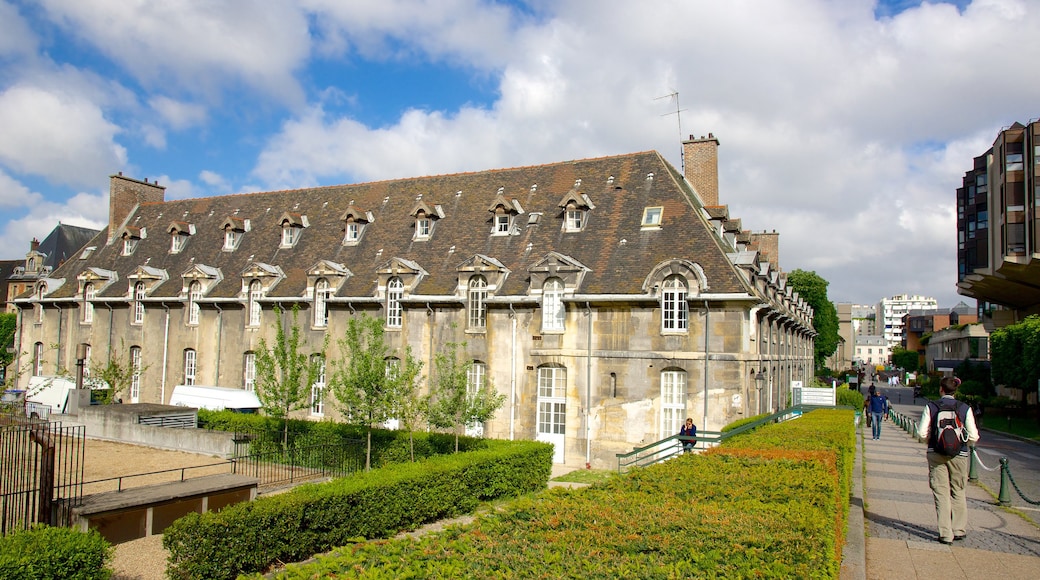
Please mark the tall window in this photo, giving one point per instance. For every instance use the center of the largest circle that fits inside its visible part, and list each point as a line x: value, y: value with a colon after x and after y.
x: 552, y: 400
x: 86, y: 361
x: 477, y: 302
x: 135, y: 378
x: 139, y: 303
x: 394, y: 293
x: 249, y: 372
x: 38, y: 307
x: 37, y: 368
x: 476, y: 380
x: 177, y: 243
x: 290, y: 234
x: 88, y: 304
x: 318, y: 388
x: 254, y: 303
x: 321, y: 308
x: 231, y: 238
x: 673, y: 401
x: 189, y: 366
x: 194, y: 295
x: 674, y: 309
x: 553, y: 312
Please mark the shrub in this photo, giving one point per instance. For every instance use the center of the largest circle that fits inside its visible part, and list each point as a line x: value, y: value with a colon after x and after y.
x: 745, y: 421
x: 850, y: 398
x: 44, y: 553
x: 249, y: 537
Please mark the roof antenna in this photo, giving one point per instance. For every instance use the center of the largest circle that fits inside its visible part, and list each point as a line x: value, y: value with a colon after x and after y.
x: 678, y: 119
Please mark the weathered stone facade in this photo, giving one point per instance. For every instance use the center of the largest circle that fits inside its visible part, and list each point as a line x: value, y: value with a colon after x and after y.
x: 600, y: 296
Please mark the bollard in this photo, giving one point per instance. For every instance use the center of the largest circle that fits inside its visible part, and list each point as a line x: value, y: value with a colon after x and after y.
x: 1004, y: 497
x: 973, y: 473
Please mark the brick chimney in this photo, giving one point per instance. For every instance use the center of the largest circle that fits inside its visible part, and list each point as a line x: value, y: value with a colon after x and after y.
x: 125, y: 195
x: 701, y: 167
x: 768, y: 246
x: 34, y: 245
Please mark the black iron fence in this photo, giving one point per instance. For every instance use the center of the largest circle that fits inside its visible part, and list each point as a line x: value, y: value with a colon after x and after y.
x: 41, y: 471
x: 301, y: 463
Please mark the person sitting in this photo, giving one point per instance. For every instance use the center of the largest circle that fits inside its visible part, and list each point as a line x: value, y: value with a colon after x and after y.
x: 688, y: 430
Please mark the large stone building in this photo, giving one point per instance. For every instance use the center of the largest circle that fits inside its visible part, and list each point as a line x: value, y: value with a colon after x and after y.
x: 998, y: 228
x: 608, y: 298
x: 62, y: 243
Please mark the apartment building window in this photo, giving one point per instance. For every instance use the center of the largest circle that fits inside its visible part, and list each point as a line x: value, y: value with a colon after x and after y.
x: 190, y: 367
x: 554, y: 313
x: 135, y: 378
x: 1014, y: 162
x: 674, y: 309
x: 138, y: 305
x: 194, y: 295
x: 394, y: 294
x: 88, y: 304
x: 477, y: 302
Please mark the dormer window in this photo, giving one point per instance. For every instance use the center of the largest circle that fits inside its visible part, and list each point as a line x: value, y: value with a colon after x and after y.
x: 177, y: 243
x: 575, y: 219
x: 231, y: 239
x: 352, y: 233
x: 137, y: 305
x: 423, y: 227
x: 129, y: 245
x: 575, y: 206
x: 253, y: 306
x: 38, y: 307
x: 289, y: 235
x: 425, y: 216
x: 234, y: 228
x: 88, y: 304
x: 194, y: 295
x: 131, y: 235
x: 503, y: 210
x: 179, y: 232
x: 501, y: 224
x: 354, y: 221
x: 292, y: 227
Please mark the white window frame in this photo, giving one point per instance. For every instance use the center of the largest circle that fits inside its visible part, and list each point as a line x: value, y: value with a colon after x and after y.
x: 574, y: 220
x: 37, y: 369
x: 554, y: 313
x: 38, y: 307
x: 129, y: 245
x: 552, y: 400
x: 652, y: 217
x: 502, y: 223
x: 352, y: 233
x: 318, y: 389
x: 194, y: 295
x: 135, y: 378
x: 675, y: 310
x: 290, y: 235
x: 322, y: 290
x: 86, y: 360
x: 177, y: 243
x: 476, y: 381
x: 249, y: 371
x: 255, y: 313
x: 89, y: 292
x: 191, y: 368
x: 673, y: 401
x: 394, y: 294
x: 231, y: 239
x: 476, y: 302
x: 423, y: 228
x: 138, y: 305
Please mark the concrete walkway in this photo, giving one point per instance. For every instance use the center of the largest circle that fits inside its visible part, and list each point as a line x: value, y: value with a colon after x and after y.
x: 899, y: 538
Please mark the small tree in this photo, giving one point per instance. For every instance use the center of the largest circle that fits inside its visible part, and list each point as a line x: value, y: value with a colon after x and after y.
x: 411, y: 405
x: 907, y: 360
x: 365, y: 390
x: 8, y: 326
x: 284, y: 373
x: 454, y: 402
x: 118, y: 373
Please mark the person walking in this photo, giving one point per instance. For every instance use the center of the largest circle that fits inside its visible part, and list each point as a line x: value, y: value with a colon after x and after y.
x: 877, y: 407
x: 948, y: 474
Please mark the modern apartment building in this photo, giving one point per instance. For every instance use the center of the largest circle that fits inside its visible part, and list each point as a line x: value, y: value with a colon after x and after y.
x: 863, y: 319
x: 890, y: 313
x: 998, y: 227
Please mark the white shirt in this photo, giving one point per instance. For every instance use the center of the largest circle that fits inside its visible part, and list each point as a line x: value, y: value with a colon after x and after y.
x: 924, y: 425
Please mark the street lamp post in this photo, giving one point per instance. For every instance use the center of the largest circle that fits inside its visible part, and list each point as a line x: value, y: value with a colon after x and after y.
x: 760, y: 381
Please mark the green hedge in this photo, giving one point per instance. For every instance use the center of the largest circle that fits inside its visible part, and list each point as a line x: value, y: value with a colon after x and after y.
x: 739, y: 512
x: 45, y: 553
x: 249, y: 537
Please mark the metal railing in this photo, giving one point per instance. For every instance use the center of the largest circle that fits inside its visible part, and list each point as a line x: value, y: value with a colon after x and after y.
x: 154, y: 477
x: 41, y: 470
x: 302, y: 463
x: 671, y: 446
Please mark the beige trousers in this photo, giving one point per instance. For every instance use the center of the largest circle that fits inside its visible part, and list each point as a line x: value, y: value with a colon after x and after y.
x: 947, y: 477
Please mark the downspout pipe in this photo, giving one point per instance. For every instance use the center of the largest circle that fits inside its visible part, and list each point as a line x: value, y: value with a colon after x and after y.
x: 220, y: 332
x: 512, y: 376
x: 707, y: 327
x: 588, y: 389
x: 165, y: 355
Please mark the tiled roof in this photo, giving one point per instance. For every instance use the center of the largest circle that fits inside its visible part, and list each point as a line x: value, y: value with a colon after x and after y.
x: 617, y: 250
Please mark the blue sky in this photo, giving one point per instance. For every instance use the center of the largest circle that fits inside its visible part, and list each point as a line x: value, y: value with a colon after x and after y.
x: 846, y: 125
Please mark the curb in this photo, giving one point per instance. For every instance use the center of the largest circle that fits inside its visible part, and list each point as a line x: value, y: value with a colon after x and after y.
x: 854, y: 554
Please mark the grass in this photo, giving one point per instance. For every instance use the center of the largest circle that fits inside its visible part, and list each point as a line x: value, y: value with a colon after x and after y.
x: 588, y: 476
x: 1027, y: 427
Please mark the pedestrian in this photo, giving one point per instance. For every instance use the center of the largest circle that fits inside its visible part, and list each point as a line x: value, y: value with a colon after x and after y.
x: 948, y: 474
x: 688, y: 430
x: 876, y: 405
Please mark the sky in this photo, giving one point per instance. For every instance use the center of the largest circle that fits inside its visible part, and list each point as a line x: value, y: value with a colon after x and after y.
x: 845, y: 125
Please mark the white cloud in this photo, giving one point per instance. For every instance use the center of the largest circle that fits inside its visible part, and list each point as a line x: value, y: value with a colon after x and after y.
x: 59, y: 136
x: 178, y: 114
x: 89, y: 210
x: 15, y: 35
x: 15, y: 194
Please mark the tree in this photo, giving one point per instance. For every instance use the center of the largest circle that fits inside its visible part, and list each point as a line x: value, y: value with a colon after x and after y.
x: 907, y: 360
x: 284, y: 374
x: 813, y: 289
x: 411, y: 405
x: 8, y: 326
x: 454, y: 401
x: 367, y: 391
x: 118, y: 373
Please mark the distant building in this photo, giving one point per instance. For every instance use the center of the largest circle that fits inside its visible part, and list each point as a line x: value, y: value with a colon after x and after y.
x: 950, y: 347
x: 863, y: 319
x: 872, y: 350
x: 44, y: 257
x: 998, y: 229
x: 889, y: 314
x: 845, y: 354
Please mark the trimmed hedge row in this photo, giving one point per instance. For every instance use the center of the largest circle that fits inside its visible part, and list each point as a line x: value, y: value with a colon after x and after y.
x: 738, y: 512
x: 48, y: 553
x: 249, y: 537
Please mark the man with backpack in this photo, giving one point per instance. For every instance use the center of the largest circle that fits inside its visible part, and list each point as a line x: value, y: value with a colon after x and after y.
x: 949, y: 427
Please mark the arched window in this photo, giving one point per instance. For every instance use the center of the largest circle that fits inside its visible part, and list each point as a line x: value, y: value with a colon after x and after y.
x: 37, y: 368
x: 255, y: 290
x: 190, y: 367
x: 86, y: 360
x: 318, y: 388
x: 88, y: 305
x: 554, y: 314
x: 394, y: 293
x: 139, y: 303
x: 674, y: 309
x: 476, y: 381
x: 477, y: 298
x: 321, y: 308
x: 249, y: 371
x: 135, y: 378
x: 194, y: 295
x: 673, y: 401
x: 38, y: 307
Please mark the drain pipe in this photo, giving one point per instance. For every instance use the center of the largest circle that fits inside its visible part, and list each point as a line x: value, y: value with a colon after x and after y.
x: 431, y: 315
x: 707, y: 327
x: 588, y: 390
x: 220, y: 332
x: 165, y: 355
x: 512, y: 376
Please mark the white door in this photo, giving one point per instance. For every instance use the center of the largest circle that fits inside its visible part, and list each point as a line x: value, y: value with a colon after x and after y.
x: 552, y: 409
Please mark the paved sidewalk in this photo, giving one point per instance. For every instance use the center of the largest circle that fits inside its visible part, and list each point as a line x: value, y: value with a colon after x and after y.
x: 899, y: 519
